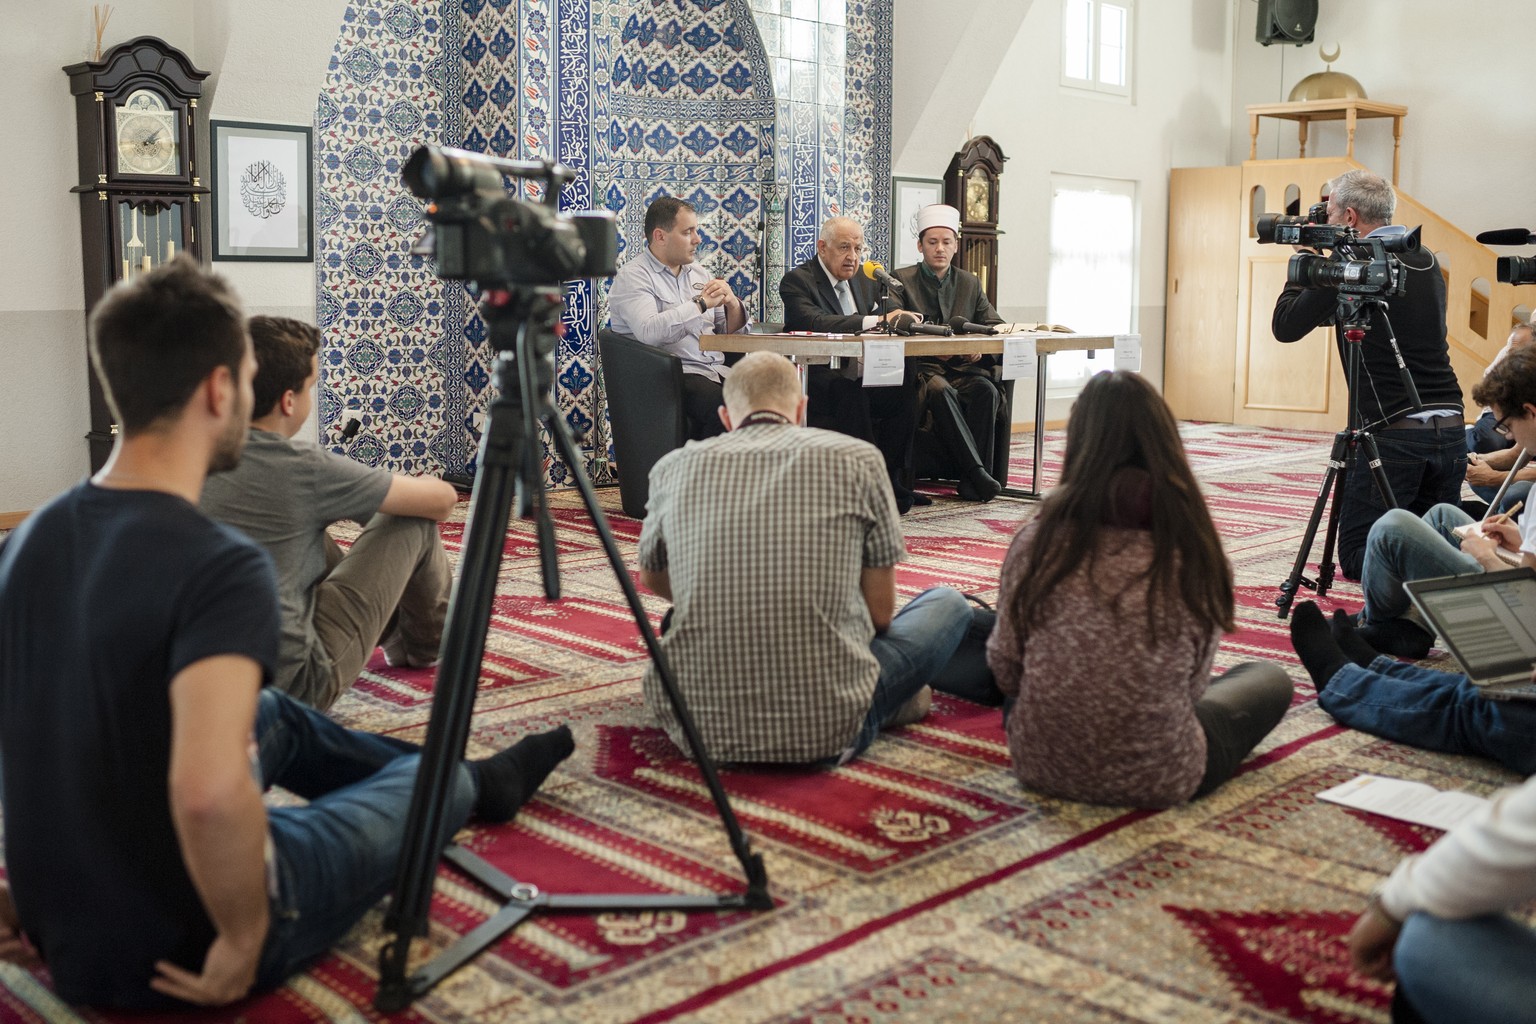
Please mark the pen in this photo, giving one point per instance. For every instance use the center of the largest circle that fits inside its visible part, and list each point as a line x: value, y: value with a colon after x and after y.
x: 1503, y: 517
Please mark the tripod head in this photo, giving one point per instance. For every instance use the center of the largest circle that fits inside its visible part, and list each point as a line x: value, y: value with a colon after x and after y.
x: 1353, y: 318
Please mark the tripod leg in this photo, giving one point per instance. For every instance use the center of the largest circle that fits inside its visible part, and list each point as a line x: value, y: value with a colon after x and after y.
x: 1373, y: 460
x: 1296, y: 580
x: 751, y: 863
x: 1331, y: 538
x: 458, y: 677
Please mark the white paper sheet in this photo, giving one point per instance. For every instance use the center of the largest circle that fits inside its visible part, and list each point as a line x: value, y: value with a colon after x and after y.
x: 1128, y: 352
x: 1019, y: 357
x: 883, y: 362
x: 1416, y: 802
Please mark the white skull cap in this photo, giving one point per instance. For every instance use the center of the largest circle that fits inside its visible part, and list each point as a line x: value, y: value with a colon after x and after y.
x: 939, y: 215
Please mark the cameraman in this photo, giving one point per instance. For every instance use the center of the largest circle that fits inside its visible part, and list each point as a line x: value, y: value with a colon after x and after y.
x: 1424, y: 453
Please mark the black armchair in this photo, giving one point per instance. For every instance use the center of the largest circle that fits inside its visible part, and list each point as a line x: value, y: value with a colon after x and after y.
x: 929, y: 460
x: 645, y: 408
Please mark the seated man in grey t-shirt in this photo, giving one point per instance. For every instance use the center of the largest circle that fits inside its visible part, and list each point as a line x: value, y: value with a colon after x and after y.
x: 392, y: 587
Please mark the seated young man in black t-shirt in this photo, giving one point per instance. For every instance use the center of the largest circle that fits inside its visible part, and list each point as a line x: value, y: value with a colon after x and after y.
x: 135, y: 734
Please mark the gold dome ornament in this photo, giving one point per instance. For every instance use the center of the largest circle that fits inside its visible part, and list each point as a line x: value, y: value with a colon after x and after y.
x: 1329, y: 84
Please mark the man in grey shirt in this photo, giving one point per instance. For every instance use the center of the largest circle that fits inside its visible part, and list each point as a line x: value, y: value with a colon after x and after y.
x: 777, y: 546
x: 662, y: 298
x: 392, y: 585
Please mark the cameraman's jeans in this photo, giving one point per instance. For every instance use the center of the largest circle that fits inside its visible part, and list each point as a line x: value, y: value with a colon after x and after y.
x: 1402, y: 547
x: 336, y: 857
x: 1424, y: 466
x: 1477, y: 969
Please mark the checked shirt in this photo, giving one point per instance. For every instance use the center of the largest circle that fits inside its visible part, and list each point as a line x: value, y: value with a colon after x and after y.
x: 764, y: 533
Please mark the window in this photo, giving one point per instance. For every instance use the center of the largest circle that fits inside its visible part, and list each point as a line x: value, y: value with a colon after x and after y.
x: 1096, y: 45
x: 1092, y: 285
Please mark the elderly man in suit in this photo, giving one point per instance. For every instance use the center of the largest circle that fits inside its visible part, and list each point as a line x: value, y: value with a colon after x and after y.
x: 960, y: 403
x: 828, y: 294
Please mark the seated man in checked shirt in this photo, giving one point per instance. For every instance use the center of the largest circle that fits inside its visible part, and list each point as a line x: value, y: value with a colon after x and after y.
x: 776, y: 544
x: 662, y: 298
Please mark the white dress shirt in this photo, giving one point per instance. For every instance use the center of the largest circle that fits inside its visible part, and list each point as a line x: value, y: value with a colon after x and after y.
x: 657, y: 308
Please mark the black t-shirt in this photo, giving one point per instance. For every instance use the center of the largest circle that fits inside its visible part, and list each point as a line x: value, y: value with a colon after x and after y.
x: 105, y: 596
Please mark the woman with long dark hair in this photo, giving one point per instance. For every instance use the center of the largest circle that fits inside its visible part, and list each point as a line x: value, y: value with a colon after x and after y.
x: 1113, y: 602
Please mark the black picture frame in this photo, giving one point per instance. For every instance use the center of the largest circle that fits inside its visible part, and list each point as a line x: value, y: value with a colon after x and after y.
x: 263, y: 191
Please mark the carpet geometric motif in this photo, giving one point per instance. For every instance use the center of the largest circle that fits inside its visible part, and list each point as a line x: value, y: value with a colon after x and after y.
x: 920, y: 882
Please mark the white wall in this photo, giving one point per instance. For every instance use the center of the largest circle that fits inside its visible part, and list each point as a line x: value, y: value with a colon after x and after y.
x: 43, y: 407
x: 1463, y: 70
x: 1465, y: 73
x: 1178, y: 116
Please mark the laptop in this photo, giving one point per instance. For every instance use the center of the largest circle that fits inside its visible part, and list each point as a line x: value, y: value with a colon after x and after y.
x: 1488, y: 622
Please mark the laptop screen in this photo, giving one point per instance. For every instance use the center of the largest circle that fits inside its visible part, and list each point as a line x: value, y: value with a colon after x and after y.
x: 1491, y: 628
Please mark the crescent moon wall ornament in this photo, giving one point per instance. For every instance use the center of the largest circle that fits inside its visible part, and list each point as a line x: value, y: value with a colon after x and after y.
x: 1329, y: 58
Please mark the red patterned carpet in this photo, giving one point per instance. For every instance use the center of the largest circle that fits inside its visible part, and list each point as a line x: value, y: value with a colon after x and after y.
x: 921, y: 882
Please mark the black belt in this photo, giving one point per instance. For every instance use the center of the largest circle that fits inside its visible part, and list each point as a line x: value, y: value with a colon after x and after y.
x: 1433, y: 423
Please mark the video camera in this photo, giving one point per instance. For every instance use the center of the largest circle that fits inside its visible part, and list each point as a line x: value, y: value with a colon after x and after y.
x: 1517, y: 270
x: 1355, y: 266
x: 479, y: 233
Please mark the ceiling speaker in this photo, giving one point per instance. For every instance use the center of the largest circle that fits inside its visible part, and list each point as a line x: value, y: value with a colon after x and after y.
x: 1286, y: 21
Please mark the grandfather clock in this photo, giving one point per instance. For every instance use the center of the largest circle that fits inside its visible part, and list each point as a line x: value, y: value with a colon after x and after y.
x: 143, y: 144
x: 970, y: 186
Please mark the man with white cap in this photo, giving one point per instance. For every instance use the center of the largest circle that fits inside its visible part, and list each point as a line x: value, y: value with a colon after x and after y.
x: 959, y: 397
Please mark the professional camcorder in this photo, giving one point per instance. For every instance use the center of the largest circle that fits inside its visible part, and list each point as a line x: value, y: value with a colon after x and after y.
x: 481, y: 234
x: 1512, y: 269
x: 1517, y: 270
x: 1312, y: 229
x: 1355, y: 265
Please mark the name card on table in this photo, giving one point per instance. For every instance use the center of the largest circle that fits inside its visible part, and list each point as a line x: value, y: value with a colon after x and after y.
x: 884, y: 362
x: 1128, y: 352
x: 1020, y: 359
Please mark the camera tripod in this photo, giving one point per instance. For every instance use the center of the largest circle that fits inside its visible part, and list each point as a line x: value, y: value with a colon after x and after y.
x: 510, y: 468
x: 1353, y: 319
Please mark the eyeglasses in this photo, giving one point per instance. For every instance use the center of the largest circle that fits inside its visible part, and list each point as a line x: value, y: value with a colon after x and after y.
x: 1502, y: 430
x: 843, y: 248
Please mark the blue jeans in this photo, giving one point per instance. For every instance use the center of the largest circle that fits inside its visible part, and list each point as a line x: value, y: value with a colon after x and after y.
x: 919, y: 643
x: 1432, y: 710
x: 1483, y: 439
x: 1403, y: 547
x: 1518, y: 491
x: 336, y: 857
x: 1424, y: 468
x: 1478, y: 969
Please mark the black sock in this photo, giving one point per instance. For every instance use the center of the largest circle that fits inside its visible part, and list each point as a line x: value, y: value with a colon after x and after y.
x: 1349, y: 640
x: 1319, y: 655
x: 1399, y: 638
x: 509, y: 779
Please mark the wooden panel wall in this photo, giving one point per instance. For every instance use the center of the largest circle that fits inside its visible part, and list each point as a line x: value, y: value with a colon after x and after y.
x: 1228, y: 293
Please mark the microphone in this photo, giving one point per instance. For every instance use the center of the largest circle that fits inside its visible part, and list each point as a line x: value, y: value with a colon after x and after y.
x: 1509, y: 478
x: 907, y: 324
x: 875, y: 272
x: 1501, y: 236
x: 960, y: 325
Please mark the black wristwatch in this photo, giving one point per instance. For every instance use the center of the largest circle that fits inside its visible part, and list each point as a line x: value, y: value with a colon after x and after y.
x: 698, y: 300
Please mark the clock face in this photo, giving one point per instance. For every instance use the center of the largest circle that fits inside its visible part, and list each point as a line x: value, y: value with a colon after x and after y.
x: 147, y: 140
x: 978, y: 195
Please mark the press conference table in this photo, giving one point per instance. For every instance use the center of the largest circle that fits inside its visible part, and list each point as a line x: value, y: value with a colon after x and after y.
x: 804, y: 349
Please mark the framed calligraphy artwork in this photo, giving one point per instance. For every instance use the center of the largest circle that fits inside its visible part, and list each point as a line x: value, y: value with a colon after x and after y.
x: 263, y: 206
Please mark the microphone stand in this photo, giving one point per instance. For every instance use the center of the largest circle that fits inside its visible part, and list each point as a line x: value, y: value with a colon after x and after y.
x: 1509, y: 478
